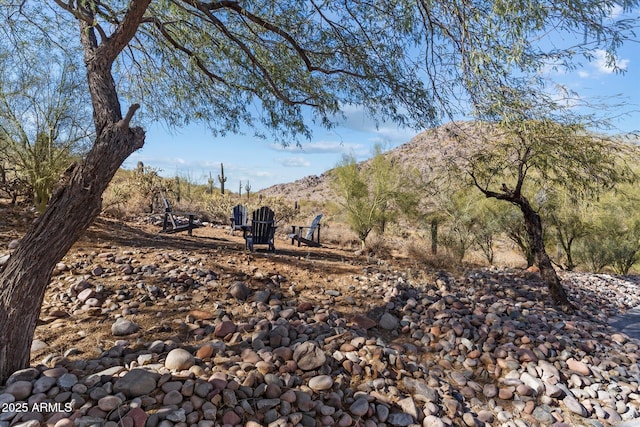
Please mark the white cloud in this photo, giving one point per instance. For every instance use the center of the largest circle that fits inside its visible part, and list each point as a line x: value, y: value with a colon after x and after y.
x: 603, y: 65
x: 583, y: 74
x: 321, y: 147
x: 616, y: 12
x: 293, y: 162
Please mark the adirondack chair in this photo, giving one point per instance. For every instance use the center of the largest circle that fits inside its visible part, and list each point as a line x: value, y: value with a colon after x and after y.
x: 173, y: 224
x: 308, y: 239
x: 239, y: 218
x: 262, y: 229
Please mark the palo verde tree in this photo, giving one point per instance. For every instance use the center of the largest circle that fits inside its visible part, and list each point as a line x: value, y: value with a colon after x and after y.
x: 373, y: 194
x: 566, y: 213
x: 44, y: 118
x: 266, y: 63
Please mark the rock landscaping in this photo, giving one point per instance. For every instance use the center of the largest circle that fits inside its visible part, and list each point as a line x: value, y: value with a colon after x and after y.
x: 145, y: 330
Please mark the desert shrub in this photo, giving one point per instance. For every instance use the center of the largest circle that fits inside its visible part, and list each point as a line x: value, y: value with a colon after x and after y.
x: 378, y: 247
x: 219, y: 206
x: 284, y: 210
x: 116, y: 199
x: 374, y: 195
x: 594, y: 252
x: 419, y: 252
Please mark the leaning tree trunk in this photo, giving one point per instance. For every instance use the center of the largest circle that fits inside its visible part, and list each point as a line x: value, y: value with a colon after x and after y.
x: 76, y: 203
x: 71, y: 210
x: 533, y: 225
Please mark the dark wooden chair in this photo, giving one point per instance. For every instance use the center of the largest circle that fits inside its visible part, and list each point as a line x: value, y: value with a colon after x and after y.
x: 312, y: 236
x: 262, y: 229
x: 173, y: 223
x: 239, y: 218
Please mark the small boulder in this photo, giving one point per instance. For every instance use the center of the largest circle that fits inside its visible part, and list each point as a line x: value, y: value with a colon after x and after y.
x: 179, y: 359
x: 309, y: 356
x: 123, y: 327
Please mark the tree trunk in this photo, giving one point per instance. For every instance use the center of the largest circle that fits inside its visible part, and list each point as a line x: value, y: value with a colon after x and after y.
x: 533, y: 225
x: 434, y: 236
x: 71, y: 210
x: 78, y: 200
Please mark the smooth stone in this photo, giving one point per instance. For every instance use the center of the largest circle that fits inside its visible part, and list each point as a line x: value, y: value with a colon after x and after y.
x: 400, y: 419
x: 309, y: 356
x: 542, y: 415
x: 137, y: 382
x: 231, y: 418
x: 239, y: 291
x: 205, y: 352
x: 224, y: 328
x: 174, y: 397
x: 389, y: 322
x: 360, y: 407
x: 66, y: 381
x: 20, y: 390
x: 109, y: 403
x: 27, y: 374
x: 578, y: 367
x: 37, y: 345
x: 421, y: 390
x: 321, y: 383
x: 574, y: 406
x: 179, y: 359
x: 43, y: 384
x: 138, y: 416
x: 123, y: 327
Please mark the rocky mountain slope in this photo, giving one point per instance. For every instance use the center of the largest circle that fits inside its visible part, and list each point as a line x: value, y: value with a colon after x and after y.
x: 421, y: 153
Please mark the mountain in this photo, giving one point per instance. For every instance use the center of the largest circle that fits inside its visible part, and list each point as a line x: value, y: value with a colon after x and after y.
x: 422, y: 152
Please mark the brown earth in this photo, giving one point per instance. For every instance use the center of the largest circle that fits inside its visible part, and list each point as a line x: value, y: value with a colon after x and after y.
x: 302, y: 273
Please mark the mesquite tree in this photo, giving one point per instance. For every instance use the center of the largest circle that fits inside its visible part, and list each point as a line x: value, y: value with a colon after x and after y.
x: 264, y: 62
x: 514, y: 161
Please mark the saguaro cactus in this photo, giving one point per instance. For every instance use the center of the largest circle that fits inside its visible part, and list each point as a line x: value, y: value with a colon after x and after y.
x: 240, y: 189
x: 222, y: 178
x: 247, y: 187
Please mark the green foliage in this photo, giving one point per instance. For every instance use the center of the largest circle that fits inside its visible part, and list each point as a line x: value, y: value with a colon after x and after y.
x: 613, y: 237
x: 468, y: 222
x: 488, y: 227
x: 43, y: 121
x: 374, y: 194
x: 458, y: 230
x: 219, y: 206
x: 511, y: 223
x: 401, y: 60
x: 149, y: 185
x: 566, y: 215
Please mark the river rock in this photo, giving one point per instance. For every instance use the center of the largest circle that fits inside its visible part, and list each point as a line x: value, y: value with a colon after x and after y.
x: 309, y: 356
x: 137, y: 382
x: 123, y: 327
x: 179, y: 359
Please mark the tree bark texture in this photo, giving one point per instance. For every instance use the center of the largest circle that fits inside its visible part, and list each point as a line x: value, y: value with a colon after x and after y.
x: 71, y: 210
x: 533, y: 225
x: 78, y: 201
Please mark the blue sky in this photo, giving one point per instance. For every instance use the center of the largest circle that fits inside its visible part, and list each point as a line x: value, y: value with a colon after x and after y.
x: 193, y: 153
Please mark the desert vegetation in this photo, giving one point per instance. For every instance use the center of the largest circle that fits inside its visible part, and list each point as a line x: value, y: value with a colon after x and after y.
x: 411, y: 63
x: 414, y: 215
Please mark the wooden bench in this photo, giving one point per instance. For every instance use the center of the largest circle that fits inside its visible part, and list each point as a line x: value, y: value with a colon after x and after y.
x: 312, y: 230
x: 171, y: 224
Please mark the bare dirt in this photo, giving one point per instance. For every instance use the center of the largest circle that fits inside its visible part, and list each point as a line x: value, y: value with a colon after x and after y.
x: 110, y: 246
